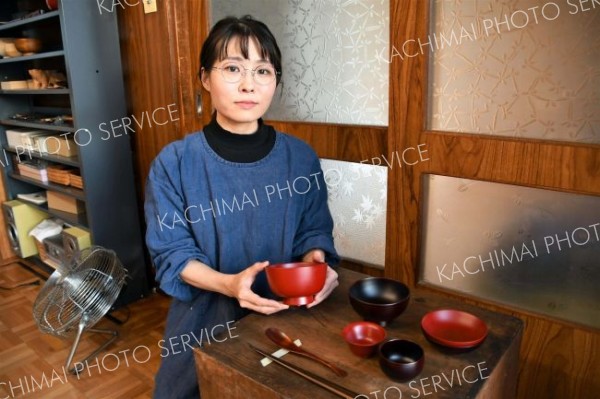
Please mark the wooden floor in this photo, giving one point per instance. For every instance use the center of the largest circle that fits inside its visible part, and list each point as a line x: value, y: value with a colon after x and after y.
x: 32, y: 363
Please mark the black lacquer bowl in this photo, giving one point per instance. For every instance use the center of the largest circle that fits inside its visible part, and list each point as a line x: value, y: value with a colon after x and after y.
x: 401, y: 360
x: 379, y: 299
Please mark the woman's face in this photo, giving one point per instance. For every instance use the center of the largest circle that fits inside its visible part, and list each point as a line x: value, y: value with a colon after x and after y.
x: 239, y: 105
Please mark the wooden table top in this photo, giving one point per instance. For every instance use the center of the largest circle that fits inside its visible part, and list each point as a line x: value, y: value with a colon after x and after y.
x: 447, y: 373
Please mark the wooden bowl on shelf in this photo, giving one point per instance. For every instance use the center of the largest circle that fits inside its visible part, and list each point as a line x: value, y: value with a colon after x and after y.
x: 4, y: 41
x: 10, y: 50
x: 28, y: 46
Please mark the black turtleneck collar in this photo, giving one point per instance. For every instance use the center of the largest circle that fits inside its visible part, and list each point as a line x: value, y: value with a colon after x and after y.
x: 242, y: 148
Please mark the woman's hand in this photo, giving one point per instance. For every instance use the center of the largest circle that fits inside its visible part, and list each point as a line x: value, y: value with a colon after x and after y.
x: 237, y: 285
x: 240, y: 288
x: 331, y: 279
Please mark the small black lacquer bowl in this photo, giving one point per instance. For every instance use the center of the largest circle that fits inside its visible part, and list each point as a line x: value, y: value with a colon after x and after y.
x: 401, y: 360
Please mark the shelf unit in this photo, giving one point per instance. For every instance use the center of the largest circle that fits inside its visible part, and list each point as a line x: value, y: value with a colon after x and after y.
x: 40, y: 56
x: 71, y: 161
x: 30, y: 91
x: 83, y: 44
x: 43, y: 126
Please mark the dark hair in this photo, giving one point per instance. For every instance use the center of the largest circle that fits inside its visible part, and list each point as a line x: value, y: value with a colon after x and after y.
x: 245, y: 28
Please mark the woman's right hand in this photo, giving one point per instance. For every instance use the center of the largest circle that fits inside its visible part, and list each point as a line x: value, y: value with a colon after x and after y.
x: 240, y: 288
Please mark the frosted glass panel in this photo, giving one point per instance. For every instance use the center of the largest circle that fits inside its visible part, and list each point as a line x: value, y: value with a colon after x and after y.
x: 330, y: 71
x: 357, y: 199
x: 533, y: 249
x: 516, y: 68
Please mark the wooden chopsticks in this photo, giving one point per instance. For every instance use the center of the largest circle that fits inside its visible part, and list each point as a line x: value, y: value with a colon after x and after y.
x: 315, y: 379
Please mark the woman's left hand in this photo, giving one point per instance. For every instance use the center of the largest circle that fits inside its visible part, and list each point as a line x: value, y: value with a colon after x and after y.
x: 331, y: 279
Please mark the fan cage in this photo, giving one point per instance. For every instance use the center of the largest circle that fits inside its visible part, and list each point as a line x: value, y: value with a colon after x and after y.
x: 88, y: 286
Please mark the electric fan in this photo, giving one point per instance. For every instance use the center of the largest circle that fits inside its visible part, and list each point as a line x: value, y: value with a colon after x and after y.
x: 78, y: 295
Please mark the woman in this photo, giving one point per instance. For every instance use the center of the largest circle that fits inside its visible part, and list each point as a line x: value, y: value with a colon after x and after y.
x: 224, y: 203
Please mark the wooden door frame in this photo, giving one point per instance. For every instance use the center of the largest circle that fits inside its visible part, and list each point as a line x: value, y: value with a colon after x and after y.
x: 568, y: 167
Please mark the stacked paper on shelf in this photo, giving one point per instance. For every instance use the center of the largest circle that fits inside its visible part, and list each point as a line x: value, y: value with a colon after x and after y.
x: 33, y: 170
x: 59, y: 174
x: 75, y: 179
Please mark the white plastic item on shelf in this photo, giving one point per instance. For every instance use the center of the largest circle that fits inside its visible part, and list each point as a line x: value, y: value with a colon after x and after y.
x: 16, y: 137
x: 46, y: 228
x: 38, y: 198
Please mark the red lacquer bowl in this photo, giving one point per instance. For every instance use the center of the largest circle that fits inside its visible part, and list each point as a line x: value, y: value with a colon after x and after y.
x: 363, y: 337
x: 297, y: 283
x: 454, y: 328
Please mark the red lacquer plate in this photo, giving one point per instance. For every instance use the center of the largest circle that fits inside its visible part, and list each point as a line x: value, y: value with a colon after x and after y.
x: 454, y: 328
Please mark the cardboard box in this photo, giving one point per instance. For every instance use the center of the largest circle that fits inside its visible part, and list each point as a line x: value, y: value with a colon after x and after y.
x: 59, y: 146
x: 63, y: 202
x: 30, y: 141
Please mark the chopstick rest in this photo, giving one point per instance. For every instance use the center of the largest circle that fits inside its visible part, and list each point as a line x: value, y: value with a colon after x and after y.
x: 265, y: 361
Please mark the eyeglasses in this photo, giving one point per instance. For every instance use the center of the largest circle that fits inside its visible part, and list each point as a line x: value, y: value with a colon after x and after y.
x: 263, y: 74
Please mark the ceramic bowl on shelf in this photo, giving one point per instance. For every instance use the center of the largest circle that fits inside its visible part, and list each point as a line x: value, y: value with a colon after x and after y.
x: 28, y: 46
x: 363, y: 337
x: 3, y: 42
x: 52, y: 4
x: 10, y: 50
x: 379, y: 299
x: 400, y: 359
x: 297, y: 282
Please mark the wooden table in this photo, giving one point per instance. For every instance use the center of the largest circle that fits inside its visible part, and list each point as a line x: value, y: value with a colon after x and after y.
x: 231, y: 370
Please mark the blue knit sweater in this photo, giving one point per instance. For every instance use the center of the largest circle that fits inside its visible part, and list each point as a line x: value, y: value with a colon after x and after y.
x: 230, y: 215
x: 227, y: 215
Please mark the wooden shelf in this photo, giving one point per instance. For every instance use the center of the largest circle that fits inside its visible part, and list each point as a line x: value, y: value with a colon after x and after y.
x: 26, y: 21
x: 36, y: 91
x: 73, y: 192
x: 79, y: 220
x: 33, y: 125
x: 72, y: 161
x: 39, y: 56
